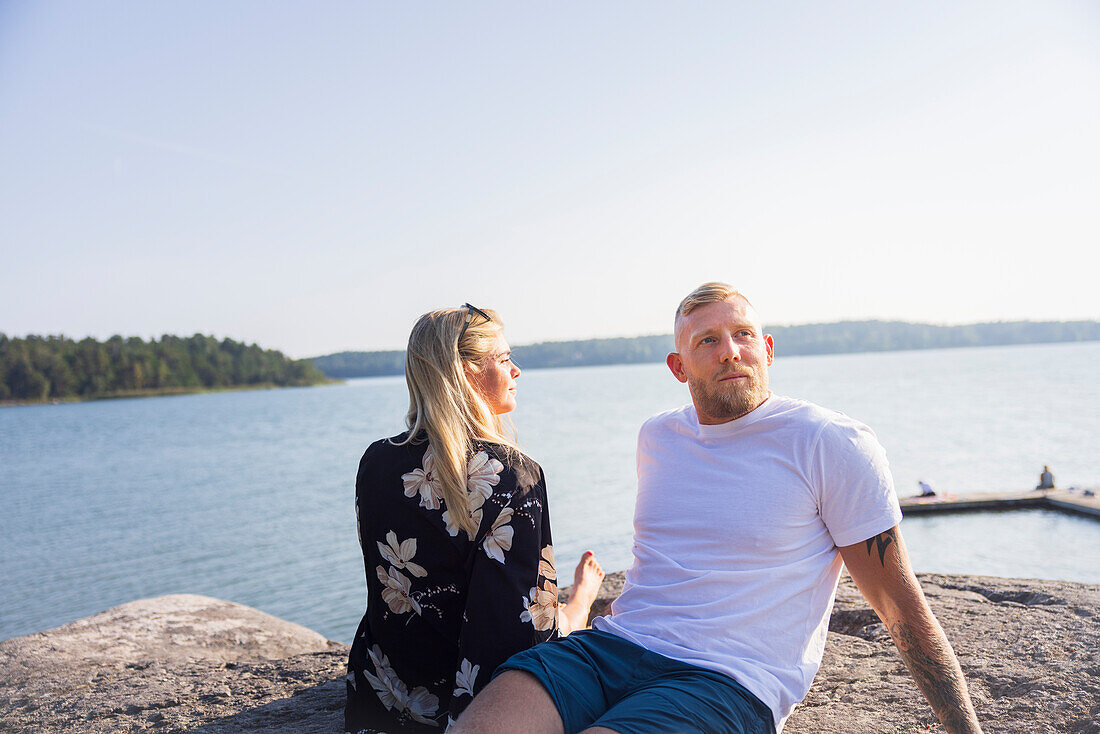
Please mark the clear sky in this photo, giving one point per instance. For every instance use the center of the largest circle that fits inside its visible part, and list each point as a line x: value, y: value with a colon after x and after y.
x: 313, y: 176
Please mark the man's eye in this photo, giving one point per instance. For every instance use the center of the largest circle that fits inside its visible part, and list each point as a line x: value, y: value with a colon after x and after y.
x: 707, y: 340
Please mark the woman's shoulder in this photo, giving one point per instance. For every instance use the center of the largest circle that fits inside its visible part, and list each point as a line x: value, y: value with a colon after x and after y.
x: 521, y: 468
x: 507, y: 455
x: 395, y: 449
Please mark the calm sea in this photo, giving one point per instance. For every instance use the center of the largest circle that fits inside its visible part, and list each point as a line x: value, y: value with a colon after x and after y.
x: 248, y: 496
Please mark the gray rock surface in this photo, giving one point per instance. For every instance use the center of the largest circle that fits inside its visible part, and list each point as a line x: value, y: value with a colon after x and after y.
x: 194, y: 664
x: 171, y: 664
x: 1030, y: 651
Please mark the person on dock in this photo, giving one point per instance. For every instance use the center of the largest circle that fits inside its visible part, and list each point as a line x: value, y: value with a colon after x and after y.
x: 749, y: 504
x: 925, y: 489
x: 1046, y: 479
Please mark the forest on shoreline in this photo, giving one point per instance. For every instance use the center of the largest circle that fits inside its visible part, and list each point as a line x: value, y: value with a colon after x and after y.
x: 45, y: 368
x: 833, y: 338
x: 36, y: 369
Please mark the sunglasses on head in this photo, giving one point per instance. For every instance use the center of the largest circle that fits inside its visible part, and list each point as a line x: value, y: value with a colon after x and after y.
x: 471, y: 311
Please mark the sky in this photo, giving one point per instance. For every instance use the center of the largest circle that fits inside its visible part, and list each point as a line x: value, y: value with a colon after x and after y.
x: 314, y: 176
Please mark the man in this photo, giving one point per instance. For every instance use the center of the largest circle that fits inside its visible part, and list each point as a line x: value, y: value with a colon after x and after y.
x: 748, y: 506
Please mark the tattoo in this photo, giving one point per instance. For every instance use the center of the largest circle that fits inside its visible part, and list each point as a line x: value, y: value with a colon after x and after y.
x: 937, y: 677
x: 883, y: 540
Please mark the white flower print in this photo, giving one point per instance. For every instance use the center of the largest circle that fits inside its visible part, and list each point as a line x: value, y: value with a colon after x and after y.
x: 482, y: 474
x: 401, y: 554
x: 546, y: 564
x: 465, y: 678
x: 391, y: 691
x: 452, y: 526
x: 394, y: 694
x: 422, y: 704
x: 397, y: 593
x: 421, y: 481
x: 499, y: 538
x: 540, y: 607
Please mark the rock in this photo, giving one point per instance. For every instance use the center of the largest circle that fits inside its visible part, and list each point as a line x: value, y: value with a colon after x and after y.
x: 194, y: 664
x: 174, y: 663
x: 1030, y: 651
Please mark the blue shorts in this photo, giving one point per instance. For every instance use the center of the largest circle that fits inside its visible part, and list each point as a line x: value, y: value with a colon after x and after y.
x: 599, y: 679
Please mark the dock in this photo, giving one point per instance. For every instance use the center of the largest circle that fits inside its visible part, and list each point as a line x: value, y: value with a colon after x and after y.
x: 1064, y: 500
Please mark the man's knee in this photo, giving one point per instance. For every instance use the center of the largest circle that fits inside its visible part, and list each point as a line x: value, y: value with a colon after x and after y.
x: 513, y: 701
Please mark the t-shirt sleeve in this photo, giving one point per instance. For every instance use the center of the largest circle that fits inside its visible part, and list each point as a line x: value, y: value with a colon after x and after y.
x: 856, y: 495
x: 641, y: 456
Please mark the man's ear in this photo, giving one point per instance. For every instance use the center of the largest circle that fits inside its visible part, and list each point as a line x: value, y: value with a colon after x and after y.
x: 770, y: 346
x: 677, y: 366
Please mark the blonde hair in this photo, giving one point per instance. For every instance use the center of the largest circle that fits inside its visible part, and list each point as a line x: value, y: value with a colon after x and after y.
x: 713, y: 292
x: 444, y: 406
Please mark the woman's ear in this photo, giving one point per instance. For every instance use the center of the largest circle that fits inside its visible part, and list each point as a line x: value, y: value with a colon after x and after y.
x: 470, y: 369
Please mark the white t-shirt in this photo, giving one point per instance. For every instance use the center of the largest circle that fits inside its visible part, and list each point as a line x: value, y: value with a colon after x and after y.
x: 736, y: 529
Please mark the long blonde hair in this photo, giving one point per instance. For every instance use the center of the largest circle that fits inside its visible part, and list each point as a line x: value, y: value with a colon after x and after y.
x: 444, y: 406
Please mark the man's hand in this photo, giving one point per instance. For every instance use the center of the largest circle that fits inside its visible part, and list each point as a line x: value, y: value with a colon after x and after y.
x: 880, y: 567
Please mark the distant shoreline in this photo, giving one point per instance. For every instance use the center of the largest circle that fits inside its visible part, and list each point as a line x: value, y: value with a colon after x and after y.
x: 843, y: 337
x: 156, y: 393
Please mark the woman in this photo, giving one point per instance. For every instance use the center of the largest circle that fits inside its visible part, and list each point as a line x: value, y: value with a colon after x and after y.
x: 455, y: 533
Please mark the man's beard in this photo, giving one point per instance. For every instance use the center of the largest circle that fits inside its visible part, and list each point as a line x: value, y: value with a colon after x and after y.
x: 725, y: 401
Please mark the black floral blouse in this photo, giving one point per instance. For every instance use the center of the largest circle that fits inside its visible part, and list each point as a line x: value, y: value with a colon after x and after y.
x: 443, y: 611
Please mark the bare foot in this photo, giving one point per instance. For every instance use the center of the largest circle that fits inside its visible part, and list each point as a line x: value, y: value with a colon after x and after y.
x: 587, y: 578
x: 586, y: 586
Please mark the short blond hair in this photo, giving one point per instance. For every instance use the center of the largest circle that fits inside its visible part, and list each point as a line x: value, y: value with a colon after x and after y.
x: 713, y: 292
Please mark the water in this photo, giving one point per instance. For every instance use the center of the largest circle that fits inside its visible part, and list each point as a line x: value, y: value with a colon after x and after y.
x: 248, y: 496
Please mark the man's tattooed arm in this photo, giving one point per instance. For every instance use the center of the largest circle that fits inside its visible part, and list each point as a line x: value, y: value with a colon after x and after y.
x: 880, y: 567
x: 882, y: 542
x: 932, y: 663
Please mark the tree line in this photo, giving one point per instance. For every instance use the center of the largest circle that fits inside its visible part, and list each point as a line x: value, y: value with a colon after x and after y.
x: 39, y: 368
x: 803, y: 339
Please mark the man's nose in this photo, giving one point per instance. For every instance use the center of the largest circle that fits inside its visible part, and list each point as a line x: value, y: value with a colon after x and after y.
x: 515, y: 372
x: 730, y: 351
